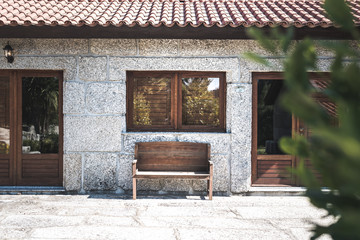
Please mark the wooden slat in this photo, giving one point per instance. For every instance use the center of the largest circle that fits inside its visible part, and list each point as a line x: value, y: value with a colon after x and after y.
x: 189, y: 175
x: 273, y: 169
x: 40, y: 175
x: 40, y: 170
x: 175, y: 156
x: 275, y: 181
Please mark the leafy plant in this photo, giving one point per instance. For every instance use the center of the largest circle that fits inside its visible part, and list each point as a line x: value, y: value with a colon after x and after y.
x: 334, y: 151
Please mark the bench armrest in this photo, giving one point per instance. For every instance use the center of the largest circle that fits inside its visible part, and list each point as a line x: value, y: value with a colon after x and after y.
x: 134, y: 167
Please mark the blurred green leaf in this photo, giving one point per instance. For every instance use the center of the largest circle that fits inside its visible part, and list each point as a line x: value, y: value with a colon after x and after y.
x: 262, y: 39
x: 256, y: 58
x: 339, y: 12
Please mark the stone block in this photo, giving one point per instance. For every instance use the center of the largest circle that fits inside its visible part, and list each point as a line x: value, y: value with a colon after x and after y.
x: 240, y: 100
x: 209, y: 47
x: 102, y: 98
x: 74, y: 97
x: 219, y: 142
x: 100, y: 171
x: 158, y: 47
x: 72, y: 172
x: 125, y: 171
x: 177, y: 185
x: 247, y: 67
x: 92, y: 133
x: 26, y: 46
x: 119, y: 66
x: 221, y: 178
x: 149, y: 184
x: 324, y: 64
x: 92, y: 68
x: 113, y: 47
x: 131, y: 138
x: 61, y: 46
x: 66, y: 64
x: 22, y: 46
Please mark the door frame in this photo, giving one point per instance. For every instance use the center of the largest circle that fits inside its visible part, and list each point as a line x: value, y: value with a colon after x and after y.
x: 295, y: 129
x: 16, y: 156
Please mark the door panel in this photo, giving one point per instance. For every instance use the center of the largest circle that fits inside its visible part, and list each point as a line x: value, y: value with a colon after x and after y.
x: 270, y: 123
x: 39, y: 124
x: 31, y: 126
x: 5, y: 131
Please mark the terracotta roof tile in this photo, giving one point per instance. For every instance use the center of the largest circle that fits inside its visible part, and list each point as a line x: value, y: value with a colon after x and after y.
x: 234, y: 13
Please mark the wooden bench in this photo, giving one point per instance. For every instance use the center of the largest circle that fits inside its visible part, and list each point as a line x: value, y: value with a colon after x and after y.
x: 177, y: 160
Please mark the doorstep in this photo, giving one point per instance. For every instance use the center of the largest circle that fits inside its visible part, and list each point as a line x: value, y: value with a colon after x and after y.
x: 31, y: 190
x: 276, y: 191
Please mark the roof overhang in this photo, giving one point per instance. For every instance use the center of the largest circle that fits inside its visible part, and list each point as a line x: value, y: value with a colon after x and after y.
x: 174, y: 32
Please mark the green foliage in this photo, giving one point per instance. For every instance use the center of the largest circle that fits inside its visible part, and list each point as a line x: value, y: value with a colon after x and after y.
x: 334, y: 151
x: 200, y: 106
x: 48, y: 144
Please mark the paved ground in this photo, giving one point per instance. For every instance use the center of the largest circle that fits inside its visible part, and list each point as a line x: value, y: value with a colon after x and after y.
x: 116, y: 217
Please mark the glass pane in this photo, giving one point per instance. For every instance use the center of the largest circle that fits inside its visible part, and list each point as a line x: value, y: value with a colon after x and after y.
x: 4, y: 115
x: 152, y: 101
x: 273, y: 121
x: 200, y: 101
x: 40, y: 115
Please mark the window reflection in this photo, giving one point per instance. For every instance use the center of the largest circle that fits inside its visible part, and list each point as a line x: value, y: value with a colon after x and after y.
x: 4, y: 115
x: 40, y: 115
x: 273, y: 121
x: 200, y: 101
x: 152, y: 101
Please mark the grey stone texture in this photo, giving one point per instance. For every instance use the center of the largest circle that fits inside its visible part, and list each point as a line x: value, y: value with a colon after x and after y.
x: 92, y: 133
x: 94, y: 104
x: 72, y: 172
x: 119, y: 65
x: 100, y: 171
x: 74, y: 97
x: 67, y: 64
x: 158, y: 47
x: 113, y: 47
x: 29, y: 46
x: 106, y: 98
x: 92, y: 68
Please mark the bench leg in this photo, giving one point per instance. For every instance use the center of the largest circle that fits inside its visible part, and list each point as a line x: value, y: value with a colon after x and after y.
x: 209, y: 186
x: 134, y: 188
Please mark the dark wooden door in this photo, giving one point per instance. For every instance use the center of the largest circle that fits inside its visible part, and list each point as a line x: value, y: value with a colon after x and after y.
x: 6, y: 130
x: 33, y: 127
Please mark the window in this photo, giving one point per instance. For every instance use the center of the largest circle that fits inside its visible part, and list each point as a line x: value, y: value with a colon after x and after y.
x: 176, y: 101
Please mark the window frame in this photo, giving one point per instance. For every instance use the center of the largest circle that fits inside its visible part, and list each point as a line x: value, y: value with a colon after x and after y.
x: 176, y: 102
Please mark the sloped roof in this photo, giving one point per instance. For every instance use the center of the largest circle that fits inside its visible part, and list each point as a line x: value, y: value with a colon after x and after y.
x: 156, y: 13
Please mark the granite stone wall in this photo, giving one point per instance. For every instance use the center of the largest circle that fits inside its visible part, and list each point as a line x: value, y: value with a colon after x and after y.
x: 97, y: 149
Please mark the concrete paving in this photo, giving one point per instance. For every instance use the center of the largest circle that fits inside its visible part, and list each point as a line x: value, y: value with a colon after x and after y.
x: 165, y: 217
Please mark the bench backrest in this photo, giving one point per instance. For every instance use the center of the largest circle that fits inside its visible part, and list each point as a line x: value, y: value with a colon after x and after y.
x: 172, y: 156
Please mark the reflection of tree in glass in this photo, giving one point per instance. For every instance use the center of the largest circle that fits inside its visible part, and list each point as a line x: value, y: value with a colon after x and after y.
x: 265, y: 116
x: 152, y: 101
x: 40, y: 109
x: 200, y: 103
x: 141, y: 109
x: 40, y: 102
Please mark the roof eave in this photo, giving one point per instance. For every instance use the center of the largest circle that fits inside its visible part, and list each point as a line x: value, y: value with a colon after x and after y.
x: 161, y: 32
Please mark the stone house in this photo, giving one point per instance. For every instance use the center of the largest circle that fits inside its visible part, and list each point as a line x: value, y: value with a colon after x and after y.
x: 95, y: 57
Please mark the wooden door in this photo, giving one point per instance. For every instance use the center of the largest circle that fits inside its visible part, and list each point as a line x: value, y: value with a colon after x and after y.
x: 270, y: 166
x: 34, y: 155
x: 6, y: 130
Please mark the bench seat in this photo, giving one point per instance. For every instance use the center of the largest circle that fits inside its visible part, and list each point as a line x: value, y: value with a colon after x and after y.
x: 158, y: 174
x: 176, y: 160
